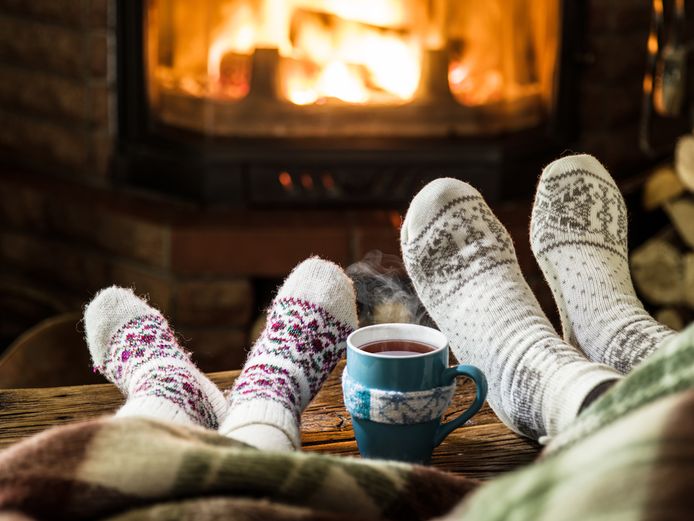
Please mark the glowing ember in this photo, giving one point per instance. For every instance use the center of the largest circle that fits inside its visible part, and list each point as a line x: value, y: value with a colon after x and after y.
x: 474, y: 87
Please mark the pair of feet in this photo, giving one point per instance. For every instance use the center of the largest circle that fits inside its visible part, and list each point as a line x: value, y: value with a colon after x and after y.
x: 464, y: 268
x: 133, y: 346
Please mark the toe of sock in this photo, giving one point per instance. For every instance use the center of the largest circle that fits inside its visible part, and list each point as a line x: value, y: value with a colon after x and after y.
x: 325, y: 284
x: 584, y: 162
x: 431, y: 200
x: 109, y: 310
x: 569, y: 206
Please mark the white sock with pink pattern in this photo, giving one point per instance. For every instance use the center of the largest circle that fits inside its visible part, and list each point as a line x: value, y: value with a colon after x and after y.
x: 132, y: 346
x: 307, y: 325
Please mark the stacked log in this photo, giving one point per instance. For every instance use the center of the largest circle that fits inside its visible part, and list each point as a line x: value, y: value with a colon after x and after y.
x: 663, y: 267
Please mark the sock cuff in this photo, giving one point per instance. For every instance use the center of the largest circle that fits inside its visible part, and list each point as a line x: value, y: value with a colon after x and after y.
x: 569, y: 388
x: 266, y: 412
x: 157, y: 408
x: 323, y: 284
x: 264, y: 437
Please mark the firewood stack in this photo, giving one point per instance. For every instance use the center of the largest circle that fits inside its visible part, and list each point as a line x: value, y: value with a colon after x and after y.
x: 663, y: 267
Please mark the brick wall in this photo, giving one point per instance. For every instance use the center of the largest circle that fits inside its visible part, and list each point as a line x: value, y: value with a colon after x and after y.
x: 611, y: 61
x: 60, y: 242
x: 57, y: 98
x: 62, y: 245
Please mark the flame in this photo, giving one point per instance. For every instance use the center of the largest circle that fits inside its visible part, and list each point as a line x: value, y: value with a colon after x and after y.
x: 338, y: 81
x: 237, y: 35
x: 364, y: 51
x: 394, y: 65
x: 356, y: 63
x: 355, y: 51
x: 380, y: 13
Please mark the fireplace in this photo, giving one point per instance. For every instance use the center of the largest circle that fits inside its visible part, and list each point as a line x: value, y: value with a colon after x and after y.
x: 332, y: 102
x: 355, y: 68
x: 97, y: 104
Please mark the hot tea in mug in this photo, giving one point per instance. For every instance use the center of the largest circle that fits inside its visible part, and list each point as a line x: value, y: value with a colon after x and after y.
x: 397, y: 348
x: 397, y: 385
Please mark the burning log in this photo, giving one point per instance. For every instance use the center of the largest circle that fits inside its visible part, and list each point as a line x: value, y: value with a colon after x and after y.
x: 234, y: 74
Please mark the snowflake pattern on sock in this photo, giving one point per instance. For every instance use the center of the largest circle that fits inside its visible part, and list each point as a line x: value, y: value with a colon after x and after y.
x: 579, y: 237
x: 463, y: 265
x: 145, y: 360
x: 448, y: 259
x: 299, y: 347
x: 579, y: 207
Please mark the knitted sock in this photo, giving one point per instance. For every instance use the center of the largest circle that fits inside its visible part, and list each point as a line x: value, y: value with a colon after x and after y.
x: 132, y: 346
x: 464, y: 268
x: 579, y: 236
x: 304, y: 338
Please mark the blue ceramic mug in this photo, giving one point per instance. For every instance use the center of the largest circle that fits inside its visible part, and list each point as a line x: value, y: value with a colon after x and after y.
x: 396, y: 402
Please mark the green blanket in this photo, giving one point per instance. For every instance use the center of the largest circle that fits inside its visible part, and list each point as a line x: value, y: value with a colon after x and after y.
x: 629, y: 456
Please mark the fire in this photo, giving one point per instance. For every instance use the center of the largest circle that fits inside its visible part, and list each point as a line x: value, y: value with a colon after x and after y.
x: 228, y: 55
x: 474, y: 87
x: 356, y: 51
x: 337, y: 80
x: 237, y: 36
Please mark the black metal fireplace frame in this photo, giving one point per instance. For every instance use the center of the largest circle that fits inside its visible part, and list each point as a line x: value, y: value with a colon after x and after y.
x: 369, y: 172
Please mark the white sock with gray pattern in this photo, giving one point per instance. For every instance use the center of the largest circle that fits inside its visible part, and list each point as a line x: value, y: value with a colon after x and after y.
x: 578, y: 234
x: 464, y: 268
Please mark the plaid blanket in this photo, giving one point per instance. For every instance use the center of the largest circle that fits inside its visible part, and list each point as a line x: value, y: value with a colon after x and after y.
x: 629, y: 456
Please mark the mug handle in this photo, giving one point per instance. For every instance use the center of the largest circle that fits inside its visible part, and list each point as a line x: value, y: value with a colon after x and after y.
x: 476, y: 376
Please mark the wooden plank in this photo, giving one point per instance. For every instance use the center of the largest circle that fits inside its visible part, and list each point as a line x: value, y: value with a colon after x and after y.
x: 482, y: 449
x: 25, y: 412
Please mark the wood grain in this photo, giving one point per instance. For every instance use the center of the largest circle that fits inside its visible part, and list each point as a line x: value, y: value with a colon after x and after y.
x: 482, y: 449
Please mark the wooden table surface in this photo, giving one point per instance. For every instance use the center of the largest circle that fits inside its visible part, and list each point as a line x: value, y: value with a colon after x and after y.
x: 481, y: 449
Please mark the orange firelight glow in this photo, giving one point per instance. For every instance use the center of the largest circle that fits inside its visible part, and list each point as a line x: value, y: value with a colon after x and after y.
x: 357, y: 51
x: 353, y: 52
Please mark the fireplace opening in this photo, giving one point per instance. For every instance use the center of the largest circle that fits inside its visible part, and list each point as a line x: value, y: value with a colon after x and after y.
x: 325, y: 102
x: 295, y: 68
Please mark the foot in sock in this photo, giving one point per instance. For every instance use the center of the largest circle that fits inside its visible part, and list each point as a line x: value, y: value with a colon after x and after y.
x: 463, y: 265
x: 132, y: 346
x: 578, y: 234
x: 307, y: 325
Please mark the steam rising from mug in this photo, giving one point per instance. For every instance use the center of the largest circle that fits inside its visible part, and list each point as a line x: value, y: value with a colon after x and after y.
x: 384, y: 291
